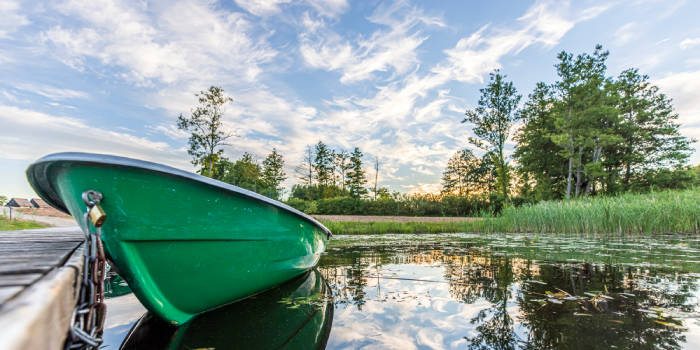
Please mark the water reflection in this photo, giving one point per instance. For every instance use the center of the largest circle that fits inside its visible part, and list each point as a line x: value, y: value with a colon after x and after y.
x: 462, y: 291
x: 296, y: 315
x: 498, y: 293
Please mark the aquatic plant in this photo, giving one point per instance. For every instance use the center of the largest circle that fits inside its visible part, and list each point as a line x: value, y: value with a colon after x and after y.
x: 672, y: 211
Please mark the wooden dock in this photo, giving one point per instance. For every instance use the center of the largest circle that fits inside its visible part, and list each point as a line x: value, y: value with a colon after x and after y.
x: 39, y: 284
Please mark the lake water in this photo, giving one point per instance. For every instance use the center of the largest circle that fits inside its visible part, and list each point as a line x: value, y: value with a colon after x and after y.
x: 456, y: 291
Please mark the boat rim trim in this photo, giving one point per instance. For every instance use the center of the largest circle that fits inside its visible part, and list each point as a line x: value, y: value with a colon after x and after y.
x: 36, y: 175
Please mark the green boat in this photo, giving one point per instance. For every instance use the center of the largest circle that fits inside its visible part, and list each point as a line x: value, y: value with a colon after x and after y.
x: 295, y: 315
x: 184, y: 243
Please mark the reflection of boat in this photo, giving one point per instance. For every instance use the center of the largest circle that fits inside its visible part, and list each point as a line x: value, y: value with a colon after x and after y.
x: 262, y: 322
x: 184, y: 243
x: 115, y: 286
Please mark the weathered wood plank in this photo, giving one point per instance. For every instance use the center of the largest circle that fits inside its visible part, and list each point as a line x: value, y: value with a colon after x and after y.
x: 22, y: 279
x: 38, y: 286
x: 39, y: 316
x: 7, y: 293
x: 26, y: 253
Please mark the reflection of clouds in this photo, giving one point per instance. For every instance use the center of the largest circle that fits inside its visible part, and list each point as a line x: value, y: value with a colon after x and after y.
x: 402, y: 313
x: 433, y: 294
x: 430, y: 339
x: 403, y: 325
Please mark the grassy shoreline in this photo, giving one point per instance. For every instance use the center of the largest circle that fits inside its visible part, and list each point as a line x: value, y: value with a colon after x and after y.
x: 649, y: 213
x: 17, y: 224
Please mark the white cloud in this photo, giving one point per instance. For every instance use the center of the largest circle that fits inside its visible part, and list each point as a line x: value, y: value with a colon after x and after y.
x: 171, y: 131
x: 626, y: 33
x: 176, y: 50
x: 689, y: 42
x: 329, y: 8
x: 405, y: 111
x: 188, y: 40
x: 11, y: 18
x: 423, y: 170
x: 383, y: 51
x: 545, y: 23
x: 52, y: 92
x: 35, y: 134
x: 423, y: 188
x: 684, y: 88
x: 262, y: 7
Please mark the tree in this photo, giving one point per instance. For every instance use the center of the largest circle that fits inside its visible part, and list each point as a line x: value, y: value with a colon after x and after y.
x: 342, y: 165
x: 583, y: 108
x: 223, y: 170
x: 383, y: 194
x: 538, y: 156
x: 323, y: 164
x: 3, y: 200
x: 206, y: 129
x: 247, y: 173
x: 356, y: 176
x: 648, y: 128
x: 492, y: 119
x: 305, y: 171
x: 462, y: 176
x: 273, y: 174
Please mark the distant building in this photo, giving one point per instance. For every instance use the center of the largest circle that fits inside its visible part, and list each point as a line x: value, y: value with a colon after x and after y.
x: 39, y: 203
x: 19, y: 203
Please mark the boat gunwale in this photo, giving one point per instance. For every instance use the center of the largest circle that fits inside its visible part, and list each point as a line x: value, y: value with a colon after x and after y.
x: 45, y: 189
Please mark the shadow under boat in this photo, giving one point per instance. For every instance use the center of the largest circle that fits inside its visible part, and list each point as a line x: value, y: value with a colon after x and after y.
x: 295, y: 315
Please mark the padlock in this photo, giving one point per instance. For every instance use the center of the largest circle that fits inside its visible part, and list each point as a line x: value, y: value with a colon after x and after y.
x: 97, y: 216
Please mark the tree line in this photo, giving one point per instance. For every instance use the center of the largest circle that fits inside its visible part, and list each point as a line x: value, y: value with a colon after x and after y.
x: 327, y: 173
x: 585, y: 134
x: 324, y: 172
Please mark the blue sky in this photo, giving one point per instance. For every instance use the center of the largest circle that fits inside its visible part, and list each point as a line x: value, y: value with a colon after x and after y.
x: 393, y: 78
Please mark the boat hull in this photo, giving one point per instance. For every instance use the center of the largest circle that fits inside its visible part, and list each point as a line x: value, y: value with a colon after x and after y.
x: 295, y: 315
x: 184, y: 245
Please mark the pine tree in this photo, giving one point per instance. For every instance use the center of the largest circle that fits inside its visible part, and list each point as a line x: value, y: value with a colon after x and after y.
x: 323, y: 164
x: 273, y: 174
x: 356, y: 176
x: 537, y: 155
x: 648, y: 128
x: 581, y: 81
x: 247, y: 173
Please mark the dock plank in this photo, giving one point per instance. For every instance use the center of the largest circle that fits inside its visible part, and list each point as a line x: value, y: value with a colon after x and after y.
x: 9, y: 292
x: 19, y: 280
x: 39, y: 272
x: 27, y: 255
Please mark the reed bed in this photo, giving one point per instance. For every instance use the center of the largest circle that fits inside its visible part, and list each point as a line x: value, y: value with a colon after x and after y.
x: 380, y: 227
x: 649, y: 213
x: 663, y: 212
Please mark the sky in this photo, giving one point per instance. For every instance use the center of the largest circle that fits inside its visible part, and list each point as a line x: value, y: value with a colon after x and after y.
x: 392, y: 78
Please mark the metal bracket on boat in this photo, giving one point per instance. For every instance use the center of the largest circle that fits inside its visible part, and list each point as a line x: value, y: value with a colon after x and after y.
x: 89, y: 314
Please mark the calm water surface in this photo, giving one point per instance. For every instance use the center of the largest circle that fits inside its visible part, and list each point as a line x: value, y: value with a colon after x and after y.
x: 457, y: 291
